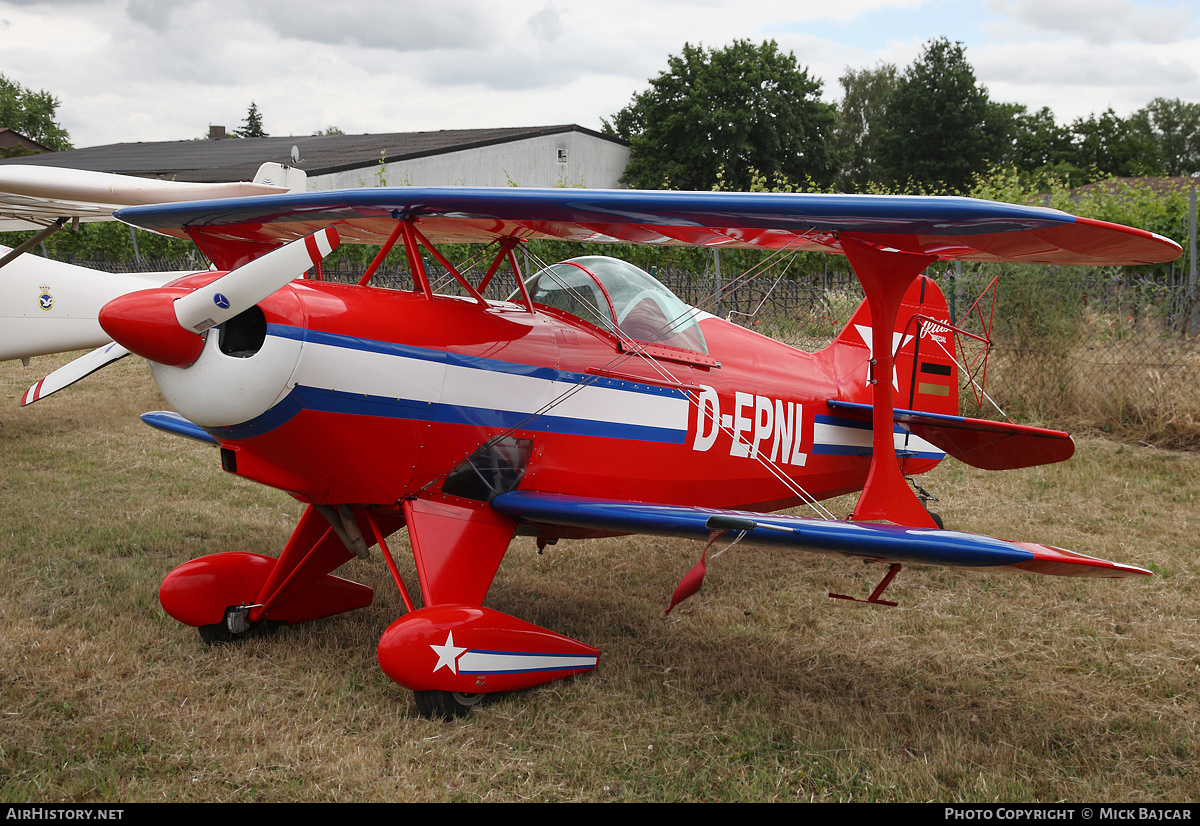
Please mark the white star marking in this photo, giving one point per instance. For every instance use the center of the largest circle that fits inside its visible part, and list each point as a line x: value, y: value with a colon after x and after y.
x: 448, y: 654
x: 865, y: 332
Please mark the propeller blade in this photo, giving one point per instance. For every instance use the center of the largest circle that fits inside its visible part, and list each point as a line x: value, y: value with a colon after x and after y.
x: 164, y: 325
x: 73, y: 371
x: 250, y: 283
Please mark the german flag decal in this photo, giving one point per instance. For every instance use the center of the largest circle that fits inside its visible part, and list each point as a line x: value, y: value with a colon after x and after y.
x: 931, y: 388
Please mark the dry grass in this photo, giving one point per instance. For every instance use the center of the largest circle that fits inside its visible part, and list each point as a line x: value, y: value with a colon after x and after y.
x: 978, y: 688
x: 1125, y: 376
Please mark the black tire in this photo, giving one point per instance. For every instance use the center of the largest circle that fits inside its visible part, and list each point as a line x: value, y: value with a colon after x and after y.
x: 937, y: 520
x: 219, y: 634
x: 215, y: 634
x: 445, y: 705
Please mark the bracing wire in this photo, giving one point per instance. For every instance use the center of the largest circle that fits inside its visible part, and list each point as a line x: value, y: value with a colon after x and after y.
x: 638, y: 349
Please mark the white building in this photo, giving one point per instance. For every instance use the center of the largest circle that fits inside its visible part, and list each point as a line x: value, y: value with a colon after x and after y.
x: 540, y: 156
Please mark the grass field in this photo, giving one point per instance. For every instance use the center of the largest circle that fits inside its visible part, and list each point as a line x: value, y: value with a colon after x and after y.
x: 977, y: 688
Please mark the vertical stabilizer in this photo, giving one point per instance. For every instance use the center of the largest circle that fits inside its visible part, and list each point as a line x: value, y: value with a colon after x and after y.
x: 925, y: 375
x: 276, y: 174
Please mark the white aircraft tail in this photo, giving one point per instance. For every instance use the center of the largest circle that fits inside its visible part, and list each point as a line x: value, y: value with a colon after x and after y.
x: 276, y: 174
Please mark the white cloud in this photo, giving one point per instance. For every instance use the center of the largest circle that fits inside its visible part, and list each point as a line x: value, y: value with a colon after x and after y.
x: 1099, y: 22
x: 546, y: 24
x: 141, y: 70
x: 1076, y: 80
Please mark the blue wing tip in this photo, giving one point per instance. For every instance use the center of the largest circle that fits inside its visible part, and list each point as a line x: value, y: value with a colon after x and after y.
x: 173, y: 423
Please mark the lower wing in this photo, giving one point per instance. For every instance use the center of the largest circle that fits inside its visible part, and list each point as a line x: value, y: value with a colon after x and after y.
x: 881, y: 542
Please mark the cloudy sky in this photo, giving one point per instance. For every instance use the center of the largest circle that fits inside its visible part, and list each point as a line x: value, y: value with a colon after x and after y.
x: 150, y: 70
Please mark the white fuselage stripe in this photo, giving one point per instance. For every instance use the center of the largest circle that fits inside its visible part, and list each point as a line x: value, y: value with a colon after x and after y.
x: 387, y: 375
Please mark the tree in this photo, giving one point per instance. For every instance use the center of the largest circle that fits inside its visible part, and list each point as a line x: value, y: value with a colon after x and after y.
x: 253, y: 124
x: 1176, y: 131
x: 1116, y: 146
x: 1034, y: 144
x: 721, y: 117
x: 867, y: 93
x: 32, y: 114
x: 939, y: 128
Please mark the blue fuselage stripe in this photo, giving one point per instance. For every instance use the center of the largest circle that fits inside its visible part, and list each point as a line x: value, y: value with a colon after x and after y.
x: 459, y: 360
x: 303, y: 398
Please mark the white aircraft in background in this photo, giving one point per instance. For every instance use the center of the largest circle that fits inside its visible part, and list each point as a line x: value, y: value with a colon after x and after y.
x: 51, y: 307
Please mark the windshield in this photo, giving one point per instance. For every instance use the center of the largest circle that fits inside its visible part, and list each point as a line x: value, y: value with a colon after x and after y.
x: 614, y: 294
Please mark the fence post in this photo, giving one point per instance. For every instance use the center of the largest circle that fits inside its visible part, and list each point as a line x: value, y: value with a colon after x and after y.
x: 1192, y: 260
x: 954, y: 274
x: 717, y: 276
x: 137, y: 256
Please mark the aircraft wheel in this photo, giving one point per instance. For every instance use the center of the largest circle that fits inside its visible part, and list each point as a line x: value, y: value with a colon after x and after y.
x: 219, y: 634
x: 445, y: 705
x: 937, y: 520
x: 215, y: 634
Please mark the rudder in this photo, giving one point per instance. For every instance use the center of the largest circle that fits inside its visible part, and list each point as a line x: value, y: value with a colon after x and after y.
x: 926, y: 376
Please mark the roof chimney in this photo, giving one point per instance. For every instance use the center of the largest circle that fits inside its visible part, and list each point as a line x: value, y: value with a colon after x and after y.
x: 216, y: 133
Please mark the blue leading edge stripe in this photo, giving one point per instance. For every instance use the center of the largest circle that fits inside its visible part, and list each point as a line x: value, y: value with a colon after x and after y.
x: 863, y: 539
x: 169, y: 422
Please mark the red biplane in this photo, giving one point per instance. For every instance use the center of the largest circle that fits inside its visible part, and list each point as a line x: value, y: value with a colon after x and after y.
x: 591, y: 402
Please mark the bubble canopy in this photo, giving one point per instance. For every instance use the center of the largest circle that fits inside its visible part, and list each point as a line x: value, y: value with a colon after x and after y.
x: 615, y: 295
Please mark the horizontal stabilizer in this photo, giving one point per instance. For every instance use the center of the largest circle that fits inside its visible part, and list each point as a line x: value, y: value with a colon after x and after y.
x: 978, y: 442
x: 881, y: 542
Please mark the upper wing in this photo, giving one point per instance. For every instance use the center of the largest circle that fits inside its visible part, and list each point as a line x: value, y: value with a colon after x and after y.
x: 886, y: 543
x: 31, y: 195
x: 945, y: 227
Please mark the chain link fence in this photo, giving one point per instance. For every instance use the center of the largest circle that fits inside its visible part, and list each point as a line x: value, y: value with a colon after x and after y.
x: 1109, y: 348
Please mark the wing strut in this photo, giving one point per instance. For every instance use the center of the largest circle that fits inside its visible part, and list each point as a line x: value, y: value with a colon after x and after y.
x: 885, y: 275
x: 37, y: 239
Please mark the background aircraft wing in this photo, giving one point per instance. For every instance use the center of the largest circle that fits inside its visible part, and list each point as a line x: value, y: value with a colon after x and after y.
x: 229, y: 231
x: 32, y: 196
x: 885, y: 543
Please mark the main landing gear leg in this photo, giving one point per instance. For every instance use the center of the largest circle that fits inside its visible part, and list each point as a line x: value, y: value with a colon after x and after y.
x: 230, y: 596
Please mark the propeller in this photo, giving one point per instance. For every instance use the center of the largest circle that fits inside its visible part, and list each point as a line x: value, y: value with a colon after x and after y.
x: 73, y: 371
x: 165, y: 324
x: 249, y: 284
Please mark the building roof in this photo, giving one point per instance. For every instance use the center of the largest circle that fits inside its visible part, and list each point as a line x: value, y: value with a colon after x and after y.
x: 237, y: 159
x: 11, y: 137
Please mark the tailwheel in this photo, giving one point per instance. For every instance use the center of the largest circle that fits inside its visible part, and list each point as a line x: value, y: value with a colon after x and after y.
x: 445, y: 705
x: 926, y: 497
